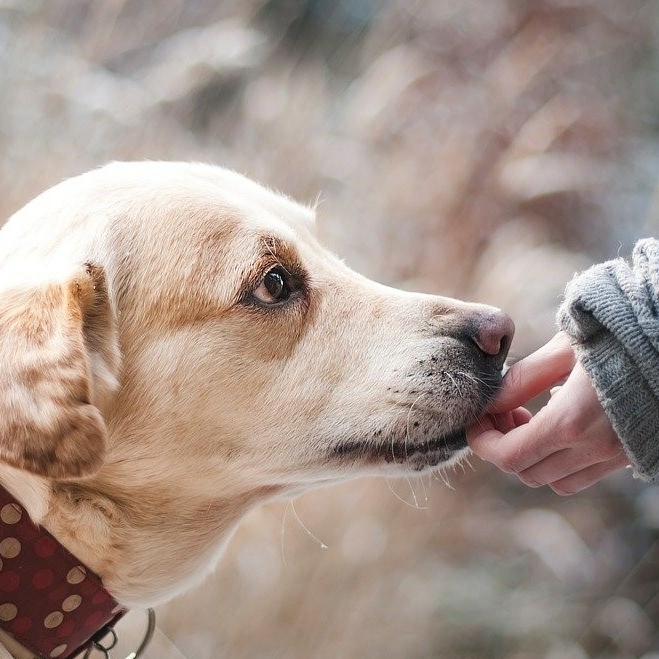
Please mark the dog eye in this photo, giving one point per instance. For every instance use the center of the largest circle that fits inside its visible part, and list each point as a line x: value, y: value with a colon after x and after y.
x: 274, y: 287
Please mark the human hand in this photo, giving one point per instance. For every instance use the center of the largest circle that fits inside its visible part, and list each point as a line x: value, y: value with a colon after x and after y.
x: 569, y: 444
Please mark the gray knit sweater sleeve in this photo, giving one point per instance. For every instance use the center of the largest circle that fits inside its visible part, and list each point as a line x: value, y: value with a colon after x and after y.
x: 611, y: 313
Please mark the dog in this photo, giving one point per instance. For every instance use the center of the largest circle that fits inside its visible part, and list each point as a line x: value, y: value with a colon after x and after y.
x: 177, y: 347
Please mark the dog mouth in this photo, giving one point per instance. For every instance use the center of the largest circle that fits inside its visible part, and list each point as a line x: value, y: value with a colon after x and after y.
x: 425, y: 439
x: 419, y: 454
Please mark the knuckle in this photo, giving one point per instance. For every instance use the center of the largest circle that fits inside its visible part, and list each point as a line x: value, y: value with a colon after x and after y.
x: 565, y: 489
x: 605, y: 448
x: 612, y: 447
x: 510, y: 463
x: 481, y: 449
x: 531, y: 480
x: 513, y: 379
x: 572, y: 427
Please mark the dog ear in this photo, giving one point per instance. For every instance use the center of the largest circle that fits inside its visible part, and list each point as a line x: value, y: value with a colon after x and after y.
x: 52, y: 338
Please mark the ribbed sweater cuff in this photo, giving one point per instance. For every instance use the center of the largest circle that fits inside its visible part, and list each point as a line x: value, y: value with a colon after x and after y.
x: 612, y: 317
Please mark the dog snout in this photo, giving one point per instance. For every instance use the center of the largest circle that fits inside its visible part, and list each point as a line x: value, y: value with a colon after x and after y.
x: 492, y: 332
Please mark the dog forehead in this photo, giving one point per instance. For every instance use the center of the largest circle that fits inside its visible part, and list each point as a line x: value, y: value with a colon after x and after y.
x: 247, y: 193
x: 148, y: 197
x: 188, y: 207
x: 195, y: 186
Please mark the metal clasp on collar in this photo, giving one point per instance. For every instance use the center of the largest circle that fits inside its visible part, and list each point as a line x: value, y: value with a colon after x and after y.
x: 106, y: 639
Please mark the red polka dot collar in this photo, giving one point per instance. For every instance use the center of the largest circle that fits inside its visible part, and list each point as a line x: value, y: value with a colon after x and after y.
x: 49, y: 602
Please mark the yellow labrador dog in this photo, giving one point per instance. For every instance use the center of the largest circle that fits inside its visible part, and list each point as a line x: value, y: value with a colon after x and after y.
x: 176, y: 347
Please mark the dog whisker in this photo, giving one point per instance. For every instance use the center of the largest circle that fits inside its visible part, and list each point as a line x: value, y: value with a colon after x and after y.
x: 321, y: 544
x: 440, y: 476
x: 455, y: 384
x: 401, y: 499
x: 281, y: 536
x: 407, y: 421
x: 414, y: 497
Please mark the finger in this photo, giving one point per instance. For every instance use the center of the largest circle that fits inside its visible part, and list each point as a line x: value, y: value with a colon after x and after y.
x: 572, y: 419
x: 566, y: 462
x: 518, y: 449
x: 521, y: 416
x: 535, y: 374
x: 500, y: 422
x: 482, y: 425
x: 484, y: 443
x: 587, y: 477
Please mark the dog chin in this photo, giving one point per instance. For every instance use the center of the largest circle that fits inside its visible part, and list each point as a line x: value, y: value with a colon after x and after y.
x: 405, y: 456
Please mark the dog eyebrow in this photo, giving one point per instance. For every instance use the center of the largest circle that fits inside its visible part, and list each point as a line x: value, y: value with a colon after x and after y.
x: 279, y: 250
x: 272, y: 251
x: 276, y: 251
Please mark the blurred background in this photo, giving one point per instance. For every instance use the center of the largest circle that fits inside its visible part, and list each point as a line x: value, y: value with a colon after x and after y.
x: 482, y: 149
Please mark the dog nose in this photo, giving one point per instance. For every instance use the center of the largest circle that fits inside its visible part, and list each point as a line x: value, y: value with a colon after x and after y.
x: 493, y: 333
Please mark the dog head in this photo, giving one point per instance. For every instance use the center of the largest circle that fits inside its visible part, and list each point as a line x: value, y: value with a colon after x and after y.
x: 181, y: 328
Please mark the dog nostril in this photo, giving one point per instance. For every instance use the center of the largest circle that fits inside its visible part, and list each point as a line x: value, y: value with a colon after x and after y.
x: 493, y: 334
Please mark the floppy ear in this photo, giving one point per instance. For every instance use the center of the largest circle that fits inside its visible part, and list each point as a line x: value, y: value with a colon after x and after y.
x: 51, y: 339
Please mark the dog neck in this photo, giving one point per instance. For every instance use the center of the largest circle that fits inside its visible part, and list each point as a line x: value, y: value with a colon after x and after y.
x: 149, y: 538
x: 147, y: 542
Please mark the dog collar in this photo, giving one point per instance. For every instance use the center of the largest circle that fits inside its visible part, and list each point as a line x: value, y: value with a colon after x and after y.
x: 49, y: 601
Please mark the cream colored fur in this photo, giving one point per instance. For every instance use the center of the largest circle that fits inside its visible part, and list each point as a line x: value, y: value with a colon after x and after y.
x: 153, y: 401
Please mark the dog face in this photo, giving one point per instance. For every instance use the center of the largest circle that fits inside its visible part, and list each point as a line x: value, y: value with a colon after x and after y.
x: 179, y: 329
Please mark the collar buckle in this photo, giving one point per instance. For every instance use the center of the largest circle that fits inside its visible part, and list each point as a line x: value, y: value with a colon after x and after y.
x: 102, y: 644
